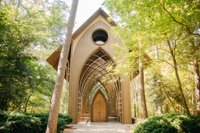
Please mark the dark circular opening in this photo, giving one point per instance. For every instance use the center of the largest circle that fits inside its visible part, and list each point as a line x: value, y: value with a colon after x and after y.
x: 100, y: 37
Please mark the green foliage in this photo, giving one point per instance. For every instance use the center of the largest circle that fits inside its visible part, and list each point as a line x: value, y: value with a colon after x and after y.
x: 3, y: 117
x: 20, y: 122
x: 13, y: 65
x: 31, y: 123
x: 153, y: 24
x: 191, y: 125
x: 23, y: 72
x: 41, y: 91
x: 169, y: 124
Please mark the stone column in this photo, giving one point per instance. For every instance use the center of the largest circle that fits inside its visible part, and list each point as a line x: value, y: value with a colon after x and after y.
x: 73, y: 96
x: 126, y: 101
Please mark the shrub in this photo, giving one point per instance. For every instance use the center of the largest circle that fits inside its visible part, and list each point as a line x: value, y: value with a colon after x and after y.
x: 3, y: 117
x: 191, y: 125
x: 29, y: 123
x: 169, y: 124
x: 63, y: 120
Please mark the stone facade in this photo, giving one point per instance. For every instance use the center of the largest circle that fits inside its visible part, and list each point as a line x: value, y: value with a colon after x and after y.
x: 90, y: 56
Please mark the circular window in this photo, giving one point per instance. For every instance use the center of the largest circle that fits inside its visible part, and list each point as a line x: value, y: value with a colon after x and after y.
x: 100, y: 37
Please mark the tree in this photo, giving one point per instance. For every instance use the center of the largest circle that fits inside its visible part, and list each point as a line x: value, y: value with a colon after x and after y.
x: 53, y: 116
x: 142, y: 88
x: 142, y: 92
x: 14, y: 64
x: 23, y: 30
x: 39, y: 96
x: 197, y: 85
x: 160, y: 23
x: 195, y: 47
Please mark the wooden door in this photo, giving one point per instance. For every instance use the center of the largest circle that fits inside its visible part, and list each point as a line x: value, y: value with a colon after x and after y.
x: 99, y: 109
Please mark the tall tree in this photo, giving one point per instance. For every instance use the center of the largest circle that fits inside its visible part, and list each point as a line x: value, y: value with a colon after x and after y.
x: 195, y: 51
x: 142, y: 91
x: 178, y: 21
x: 142, y: 88
x: 18, y: 43
x: 172, y: 52
x: 53, y: 116
x: 197, y: 85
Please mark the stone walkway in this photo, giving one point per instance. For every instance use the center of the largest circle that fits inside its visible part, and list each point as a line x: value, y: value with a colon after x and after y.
x: 100, y: 127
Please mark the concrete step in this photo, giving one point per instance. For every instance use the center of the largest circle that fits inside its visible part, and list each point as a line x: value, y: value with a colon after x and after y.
x: 86, y: 115
x: 112, y: 119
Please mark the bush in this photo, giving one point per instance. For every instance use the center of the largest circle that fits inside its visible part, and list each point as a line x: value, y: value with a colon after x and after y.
x: 169, y: 124
x: 63, y: 120
x: 29, y: 123
x: 3, y: 117
x: 191, y: 125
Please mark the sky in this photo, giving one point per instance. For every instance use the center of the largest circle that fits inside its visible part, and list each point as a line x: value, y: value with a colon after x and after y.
x: 85, y: 9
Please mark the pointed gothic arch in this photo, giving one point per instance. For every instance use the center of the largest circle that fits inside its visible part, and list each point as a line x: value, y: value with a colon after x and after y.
x: 87, y: 66
x: 98, y: 61
x: 99, y: 109
x: 93, y: 72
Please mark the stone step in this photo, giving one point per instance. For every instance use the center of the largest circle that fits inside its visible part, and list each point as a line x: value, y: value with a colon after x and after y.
x: 85, y: 115
x: 112, y: 119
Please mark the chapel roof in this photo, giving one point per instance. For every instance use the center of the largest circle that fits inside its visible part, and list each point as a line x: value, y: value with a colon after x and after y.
x: 54, y: 57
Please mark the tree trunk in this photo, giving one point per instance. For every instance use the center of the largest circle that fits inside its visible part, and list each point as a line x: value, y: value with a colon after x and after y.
x: 178, y: 78
x: 197, y: 85
x: 142, y: 91
x: 171, y: 102
x: 18, y: 3
x: 53, y: 116
x: 27, y: 101
x: 141, y: 83
x: 135, y: 110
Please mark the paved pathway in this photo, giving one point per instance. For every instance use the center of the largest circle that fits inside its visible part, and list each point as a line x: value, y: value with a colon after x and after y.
x: 100, y: 127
